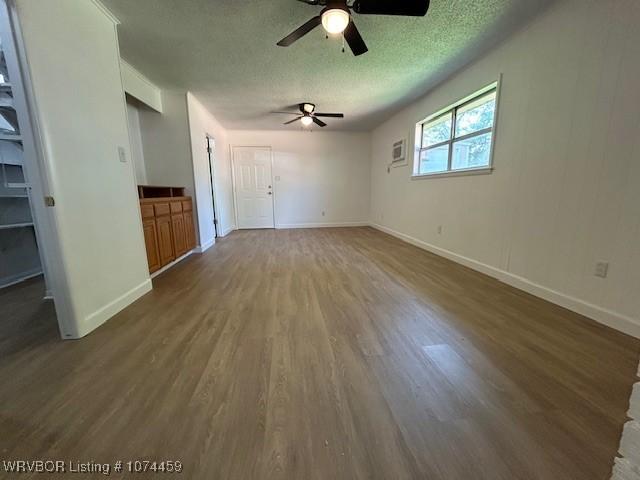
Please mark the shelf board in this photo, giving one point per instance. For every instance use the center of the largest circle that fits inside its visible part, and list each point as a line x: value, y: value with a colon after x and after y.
x: 23, y: 277
x: 14, y: 196
x: 6, y: 86
x: 16, y: 225
x: 11, y: 138
x: 14, y: 162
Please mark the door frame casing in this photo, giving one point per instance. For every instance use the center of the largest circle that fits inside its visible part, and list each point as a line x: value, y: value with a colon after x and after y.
x: 211, y: 143
x: 233, y: 182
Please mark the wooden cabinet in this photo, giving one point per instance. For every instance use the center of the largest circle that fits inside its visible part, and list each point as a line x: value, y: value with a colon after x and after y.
x: 161, y: 208
x: 165, y: 240
x: 168, y: 225
x: 176, y: 207
x: 179, y: 234
x: 147, y: 211
x: 190, y: 230
x: 151, y: 244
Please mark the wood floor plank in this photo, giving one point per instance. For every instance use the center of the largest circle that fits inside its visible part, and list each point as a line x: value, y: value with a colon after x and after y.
x: 320, y: 354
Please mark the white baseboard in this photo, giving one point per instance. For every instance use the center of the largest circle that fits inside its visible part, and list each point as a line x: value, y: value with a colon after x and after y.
x: 212, y: 242
x: 284, y: 226
x: 172, y: 264
x: 206, y: 246
x: 228, y: 230
x: 99, y: 317
x: 607, y: 317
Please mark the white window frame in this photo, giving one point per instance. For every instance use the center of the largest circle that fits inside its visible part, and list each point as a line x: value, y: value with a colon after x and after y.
x: 452, y: 110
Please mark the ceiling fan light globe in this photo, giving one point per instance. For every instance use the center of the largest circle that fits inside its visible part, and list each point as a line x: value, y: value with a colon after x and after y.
x: 335, y: 20
x: 306, y: 121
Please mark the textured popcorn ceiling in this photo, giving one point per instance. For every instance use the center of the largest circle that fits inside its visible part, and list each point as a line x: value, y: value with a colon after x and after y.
x: 225, y: 52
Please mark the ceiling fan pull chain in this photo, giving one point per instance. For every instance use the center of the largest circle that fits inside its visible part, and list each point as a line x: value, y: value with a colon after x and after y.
x: 343, y: 42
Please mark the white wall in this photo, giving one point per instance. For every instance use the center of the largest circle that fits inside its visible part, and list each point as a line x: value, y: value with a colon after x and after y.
x: 96, y: 203
x: 135, y: 136
x: 565, y: 192
x: 174, y: 146
x: 140, y: 87
x: 166, y: 143
x: 201, y: 124
x: 319, y: 172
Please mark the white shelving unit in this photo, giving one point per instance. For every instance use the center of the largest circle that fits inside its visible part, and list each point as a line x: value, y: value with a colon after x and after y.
x: 19, y: 256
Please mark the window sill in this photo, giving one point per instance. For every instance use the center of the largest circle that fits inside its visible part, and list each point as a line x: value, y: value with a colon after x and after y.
x: 454, y: 173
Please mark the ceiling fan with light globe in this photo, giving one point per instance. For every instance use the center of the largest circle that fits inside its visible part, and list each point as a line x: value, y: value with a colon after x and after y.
x: 308, y: 115
x: 337, y: 18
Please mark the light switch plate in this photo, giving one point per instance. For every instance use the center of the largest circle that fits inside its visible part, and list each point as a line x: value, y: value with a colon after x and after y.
x: 122, y: 154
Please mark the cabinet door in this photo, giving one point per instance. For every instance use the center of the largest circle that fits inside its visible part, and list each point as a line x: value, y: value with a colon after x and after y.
x: 190, y: 231
x: 165, y: 240
x: 179, y: 236
x: 151, y: 243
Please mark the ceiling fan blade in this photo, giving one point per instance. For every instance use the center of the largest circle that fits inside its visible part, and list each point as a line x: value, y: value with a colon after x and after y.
x: 287, y: 113
x: 407, y: 8
x: 300, y: 32
x: 332, y: 115
x: 354, y: 39
x: 291, y: 121
x: 319, y: 122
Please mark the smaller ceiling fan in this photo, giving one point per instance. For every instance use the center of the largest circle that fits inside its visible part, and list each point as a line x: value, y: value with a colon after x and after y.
x: 336, y: 18
x: 308, y: 115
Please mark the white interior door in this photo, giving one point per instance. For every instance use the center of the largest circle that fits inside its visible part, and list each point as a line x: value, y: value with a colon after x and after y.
x: 253, y: 187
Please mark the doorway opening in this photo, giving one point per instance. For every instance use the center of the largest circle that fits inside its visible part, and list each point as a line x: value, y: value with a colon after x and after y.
x: 210, y: 154
x: 32, y: 283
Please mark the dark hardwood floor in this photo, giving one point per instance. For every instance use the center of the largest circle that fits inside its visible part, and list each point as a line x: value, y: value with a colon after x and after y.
x: 321, y: 354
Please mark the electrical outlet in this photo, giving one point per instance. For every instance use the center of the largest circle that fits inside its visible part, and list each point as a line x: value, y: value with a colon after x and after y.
x: 277, y: 178
x: 602, y: 269
x: 439, y: 229
x: 122, y: 154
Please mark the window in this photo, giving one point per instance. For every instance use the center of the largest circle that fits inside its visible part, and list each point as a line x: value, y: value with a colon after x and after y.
x: 459, y: 138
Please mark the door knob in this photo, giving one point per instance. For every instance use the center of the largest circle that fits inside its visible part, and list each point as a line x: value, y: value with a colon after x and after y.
x: 269, y: 193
